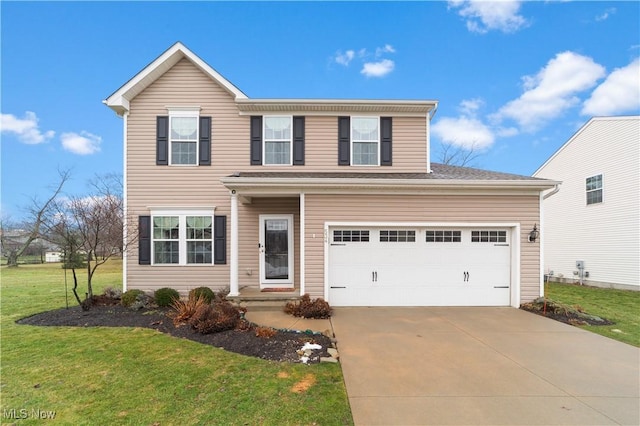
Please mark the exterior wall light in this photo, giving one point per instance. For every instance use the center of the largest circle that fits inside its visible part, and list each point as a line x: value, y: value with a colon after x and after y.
x: 534, y: 234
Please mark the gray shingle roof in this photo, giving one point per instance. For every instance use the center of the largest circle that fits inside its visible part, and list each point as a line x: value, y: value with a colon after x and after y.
x: 440, y: 172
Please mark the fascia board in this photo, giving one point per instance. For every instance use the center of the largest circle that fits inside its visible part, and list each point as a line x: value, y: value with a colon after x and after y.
x: 450, y: 184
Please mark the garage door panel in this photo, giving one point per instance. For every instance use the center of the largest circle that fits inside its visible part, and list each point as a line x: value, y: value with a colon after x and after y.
x: 458, y: 272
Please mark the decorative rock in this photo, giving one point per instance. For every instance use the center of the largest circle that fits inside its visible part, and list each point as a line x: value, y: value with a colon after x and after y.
x: 333, y: 352
x: 328, y: 359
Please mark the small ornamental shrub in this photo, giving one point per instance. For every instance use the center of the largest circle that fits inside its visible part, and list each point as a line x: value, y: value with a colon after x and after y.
x: 165, y: 296
x: 130, y: 296
x: 205, y: 292
x: 213, y: 318
x: 265, y: 332
x: 183, y: 310
x: 307, y: 308
x: 112, y: 293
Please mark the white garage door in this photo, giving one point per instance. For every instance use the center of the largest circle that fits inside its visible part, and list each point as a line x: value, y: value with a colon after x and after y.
x: 419, y: 266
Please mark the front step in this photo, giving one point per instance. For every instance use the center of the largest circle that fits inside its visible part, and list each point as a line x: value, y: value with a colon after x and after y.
x: 255, y: 300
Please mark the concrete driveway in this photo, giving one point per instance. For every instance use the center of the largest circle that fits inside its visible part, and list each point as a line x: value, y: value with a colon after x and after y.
x: 482, y: 366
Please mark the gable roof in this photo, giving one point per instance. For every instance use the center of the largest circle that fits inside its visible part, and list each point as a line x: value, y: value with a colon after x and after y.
x: 579, y: 132
x: 119, y: 100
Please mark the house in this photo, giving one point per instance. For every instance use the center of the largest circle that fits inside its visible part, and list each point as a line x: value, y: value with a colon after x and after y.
x: 53, y: 256
x: 335, y: 198
x: 592, y: 225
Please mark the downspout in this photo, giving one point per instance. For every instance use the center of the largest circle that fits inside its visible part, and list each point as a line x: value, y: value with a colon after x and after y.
x: 542, y: 236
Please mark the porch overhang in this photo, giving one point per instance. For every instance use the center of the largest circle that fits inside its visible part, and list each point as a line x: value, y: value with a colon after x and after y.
x: 252, y: 184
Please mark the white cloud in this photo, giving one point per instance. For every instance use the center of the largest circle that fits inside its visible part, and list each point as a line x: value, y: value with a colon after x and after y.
x: 465, y: 132
x: 483, y: 16
x: 378, y: 69
x: 26, y: 129
x: 553, y: 90
x: 83, y: 143
x: 605, y: 15
x: 619, y: 93
x: 345, y: 58
x: 386, y: 49
x: 469, y: 107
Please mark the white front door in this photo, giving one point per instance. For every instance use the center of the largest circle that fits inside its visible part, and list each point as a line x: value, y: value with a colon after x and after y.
x: 276, y: 251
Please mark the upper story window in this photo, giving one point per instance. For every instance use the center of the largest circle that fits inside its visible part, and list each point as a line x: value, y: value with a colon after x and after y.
x: 365, y: 141
x: 594, y: 189
x: 277, y: 140
x: 183, y: 131
x: 183, y: 138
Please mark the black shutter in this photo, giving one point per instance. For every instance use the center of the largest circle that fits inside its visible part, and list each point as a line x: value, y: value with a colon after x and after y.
x: 385, y: 141
x: 256, y: 140
x: 162, y: 140
x: 220, y: 240
x: 298, y: 141
x: 144, y: 240
x: 205, y: 141
x: 344, y: 141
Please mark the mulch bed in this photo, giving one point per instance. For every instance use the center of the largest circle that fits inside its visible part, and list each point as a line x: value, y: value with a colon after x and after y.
x: 282, y: 347
x: 568, y: 314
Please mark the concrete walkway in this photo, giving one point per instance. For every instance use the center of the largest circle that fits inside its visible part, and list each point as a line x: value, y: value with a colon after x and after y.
x: 482, y: 366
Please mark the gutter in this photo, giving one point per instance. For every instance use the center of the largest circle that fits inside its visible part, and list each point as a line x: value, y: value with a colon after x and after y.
x: 555, y: 190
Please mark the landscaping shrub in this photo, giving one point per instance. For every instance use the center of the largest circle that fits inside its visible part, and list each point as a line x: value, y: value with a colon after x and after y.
x: 112, y: 293
x: 183, y: 310
x: 130, y: 296
x: 216, y: 317
x: 205, y: 292
x: 265, y: 332
x: 165, y: 296
x: 307, y: 308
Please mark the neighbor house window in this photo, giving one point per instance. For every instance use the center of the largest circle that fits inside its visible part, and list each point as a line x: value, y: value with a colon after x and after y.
x: 277, y: 140
x: 182, y: 239
x: 183, y: 136
x: 594, y: 189
x: 443, y: 236
x: 365, y: 141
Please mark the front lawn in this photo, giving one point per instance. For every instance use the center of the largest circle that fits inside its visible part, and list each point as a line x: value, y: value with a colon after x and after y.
x: 104, y: 375
x: 620, y: 306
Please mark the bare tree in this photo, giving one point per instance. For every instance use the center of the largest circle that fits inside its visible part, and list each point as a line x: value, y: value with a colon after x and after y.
x: 91, y: 225
x: 39, y: 213
x: 457, y: 155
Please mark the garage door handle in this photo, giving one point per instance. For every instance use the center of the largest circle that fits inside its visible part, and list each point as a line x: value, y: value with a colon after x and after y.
x: 500, y: 286
x: 465, y: 276
x: 333, y: 286
x: 501, y: 245
x: 335, y: 244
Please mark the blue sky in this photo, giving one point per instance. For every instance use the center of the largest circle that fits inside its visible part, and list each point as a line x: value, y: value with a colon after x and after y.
x: 514, y: 79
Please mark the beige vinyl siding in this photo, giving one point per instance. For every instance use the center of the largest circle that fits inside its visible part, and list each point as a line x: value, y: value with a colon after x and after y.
x: 151, y: 186
x: 523, y: 209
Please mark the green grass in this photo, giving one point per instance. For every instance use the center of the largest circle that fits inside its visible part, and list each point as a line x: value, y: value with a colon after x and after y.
x: 139, y: 376
x: 619, y: 306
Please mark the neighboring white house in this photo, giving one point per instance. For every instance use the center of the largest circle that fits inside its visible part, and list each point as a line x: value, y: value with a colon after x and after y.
x: 595, y: 216
x: 53, y: 256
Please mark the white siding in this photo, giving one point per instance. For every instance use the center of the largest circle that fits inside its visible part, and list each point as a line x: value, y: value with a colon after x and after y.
x: 606, y: 236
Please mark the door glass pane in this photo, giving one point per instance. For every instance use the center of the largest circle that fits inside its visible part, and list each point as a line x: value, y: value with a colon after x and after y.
x: 276, y: 249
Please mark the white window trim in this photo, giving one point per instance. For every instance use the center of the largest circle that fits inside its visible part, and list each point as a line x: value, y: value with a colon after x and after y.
x: 600, y: 189
x: 351, y: 141
x: 264, y: 140
x: 182, y: 237
x: 184, y: 112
